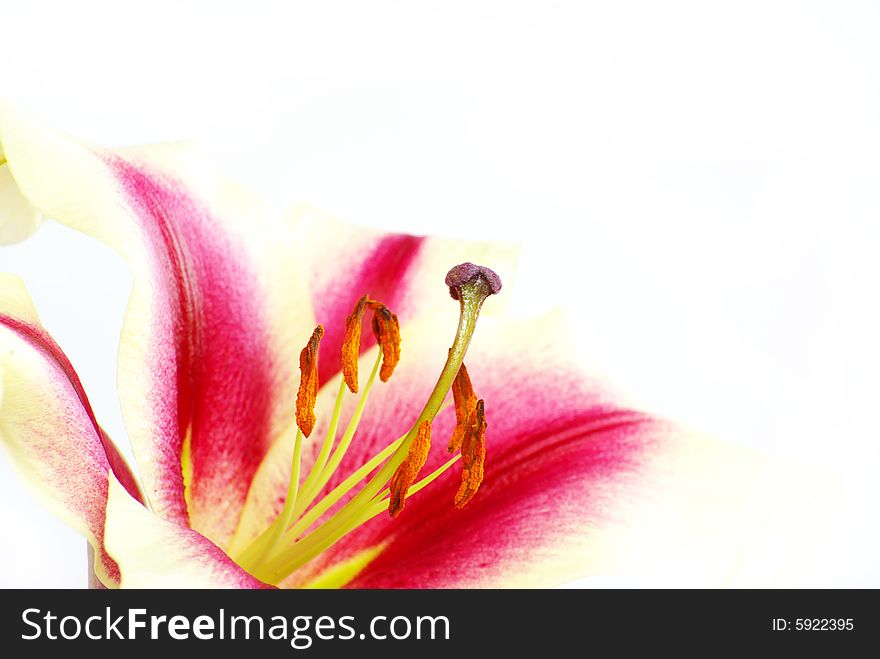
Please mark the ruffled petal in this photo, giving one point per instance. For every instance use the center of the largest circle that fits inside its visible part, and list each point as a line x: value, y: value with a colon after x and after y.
x: 154, y: 553
x: 216, y: 317
x: 48, y: 427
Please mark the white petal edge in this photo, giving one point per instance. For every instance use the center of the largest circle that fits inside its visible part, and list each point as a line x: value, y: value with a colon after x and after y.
x: 155, y: 553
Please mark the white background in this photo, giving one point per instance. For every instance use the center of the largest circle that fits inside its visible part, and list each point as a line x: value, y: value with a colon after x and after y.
x: 699, y: 180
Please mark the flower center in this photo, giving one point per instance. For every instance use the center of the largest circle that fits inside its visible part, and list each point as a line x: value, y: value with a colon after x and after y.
x: 295, y: 537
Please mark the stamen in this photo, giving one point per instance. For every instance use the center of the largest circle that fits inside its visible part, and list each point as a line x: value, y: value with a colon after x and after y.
x: 473, y: 457
x: 308, y: 384
x: 330, y: 468
x: 329, y: 438
x: 386, y: 329
x: 351, y: 345
x: 277, y: 573
x: 286, y: 515
x: 469, y: 435
x: 465, y: 404
x: 262, y: 547
x: 387, y: 332
x: 410, y: 467
x: 382, y: 498
x: 346, y: 486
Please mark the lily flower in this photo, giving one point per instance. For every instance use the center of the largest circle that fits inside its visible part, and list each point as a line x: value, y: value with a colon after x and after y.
x: 266, y: 458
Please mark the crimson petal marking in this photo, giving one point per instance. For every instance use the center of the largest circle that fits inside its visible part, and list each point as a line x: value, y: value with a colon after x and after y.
x: 557, y: 448
x: 535, y: 493
x: 548, y: 476
x: 211, y: 366
x: 343, y: 261
x: 575, y: 483
x: 218, y: 300
x: 380, y: 270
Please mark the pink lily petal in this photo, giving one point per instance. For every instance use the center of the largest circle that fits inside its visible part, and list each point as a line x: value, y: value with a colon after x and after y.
x: 154, y: 553
x: 49, y: 428
x: 215, y: 319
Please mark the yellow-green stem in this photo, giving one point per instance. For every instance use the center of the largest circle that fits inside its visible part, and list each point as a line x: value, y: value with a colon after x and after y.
x: 258, y: 550
x: 304, y: 522
x: 377, y: 508
x: 330, y: 467
x: 277, y: 528
x: 329, y: 438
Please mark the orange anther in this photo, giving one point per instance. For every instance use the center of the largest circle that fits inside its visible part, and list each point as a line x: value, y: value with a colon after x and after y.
x: 412, y: 464
x: 351, y: 345
x: 465, y: 403
x: 386, y: 328
x: 308, y: 383
x: 473, y: 456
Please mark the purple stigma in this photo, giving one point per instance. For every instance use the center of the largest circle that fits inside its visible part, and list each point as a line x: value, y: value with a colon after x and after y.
x: 467, y: 272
